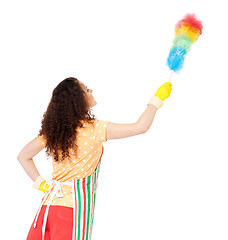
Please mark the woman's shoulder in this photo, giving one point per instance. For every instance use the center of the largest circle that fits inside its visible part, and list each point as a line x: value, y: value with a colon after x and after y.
x: 94, y: 124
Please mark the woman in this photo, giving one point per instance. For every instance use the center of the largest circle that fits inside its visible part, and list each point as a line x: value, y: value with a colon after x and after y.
x: 73, y: 137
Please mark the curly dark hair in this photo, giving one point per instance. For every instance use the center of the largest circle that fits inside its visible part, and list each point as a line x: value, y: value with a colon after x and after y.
x: 66, y: 111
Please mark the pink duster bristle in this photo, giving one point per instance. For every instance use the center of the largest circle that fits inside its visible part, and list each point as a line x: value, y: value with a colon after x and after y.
x: 191, y: 19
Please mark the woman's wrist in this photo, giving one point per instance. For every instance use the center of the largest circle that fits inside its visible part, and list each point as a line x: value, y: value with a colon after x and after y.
x: 38, y: 182
x: 156, y: 101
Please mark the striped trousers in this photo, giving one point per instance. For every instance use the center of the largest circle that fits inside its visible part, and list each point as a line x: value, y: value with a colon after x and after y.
x: 54, y: 222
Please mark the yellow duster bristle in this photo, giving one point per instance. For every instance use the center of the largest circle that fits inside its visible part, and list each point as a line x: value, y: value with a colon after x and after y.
x: 188, y: 30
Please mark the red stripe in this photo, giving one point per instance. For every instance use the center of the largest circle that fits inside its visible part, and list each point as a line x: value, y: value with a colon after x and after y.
x: 84, y: 214
x: 75, y: 198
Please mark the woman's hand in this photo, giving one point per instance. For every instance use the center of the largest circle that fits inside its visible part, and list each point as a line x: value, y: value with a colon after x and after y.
x: 162, y: 93
x: 40, y: 184
x: 44, y: 187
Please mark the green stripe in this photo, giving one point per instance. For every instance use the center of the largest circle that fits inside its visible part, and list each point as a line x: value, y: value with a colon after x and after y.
x: 182, y: 41
x: 89, y: 201
x: 94, y: 194
x: 79, y: 207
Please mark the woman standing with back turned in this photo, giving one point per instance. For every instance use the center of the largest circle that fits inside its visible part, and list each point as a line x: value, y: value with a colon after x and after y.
x: 73, y: 137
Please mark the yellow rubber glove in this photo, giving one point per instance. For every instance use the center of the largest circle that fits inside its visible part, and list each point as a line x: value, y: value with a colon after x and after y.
x: 40, y: 184
x: 43, y: 186
x: 162, y: 93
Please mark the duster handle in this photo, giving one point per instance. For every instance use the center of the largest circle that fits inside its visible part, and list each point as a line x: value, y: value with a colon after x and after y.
x: 171, y: 74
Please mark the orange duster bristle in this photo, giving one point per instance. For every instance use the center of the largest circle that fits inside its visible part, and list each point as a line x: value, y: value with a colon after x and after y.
x: 188, y: 30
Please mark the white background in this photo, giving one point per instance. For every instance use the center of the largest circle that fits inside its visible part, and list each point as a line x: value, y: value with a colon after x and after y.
x: 169, y: 183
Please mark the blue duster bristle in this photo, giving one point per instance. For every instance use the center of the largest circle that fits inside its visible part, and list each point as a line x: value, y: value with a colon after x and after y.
x: 176, y: 57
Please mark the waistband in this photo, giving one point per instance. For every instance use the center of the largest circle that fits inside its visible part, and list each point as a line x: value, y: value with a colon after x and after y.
x: 57, y: 187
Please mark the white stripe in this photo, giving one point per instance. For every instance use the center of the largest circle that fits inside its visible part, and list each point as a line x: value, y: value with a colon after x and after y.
x: 82, y: 208
x: 86, y: 191
x: 77, y: 207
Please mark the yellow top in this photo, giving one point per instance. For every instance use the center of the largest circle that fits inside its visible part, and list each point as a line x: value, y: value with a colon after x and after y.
x: 89, y: 141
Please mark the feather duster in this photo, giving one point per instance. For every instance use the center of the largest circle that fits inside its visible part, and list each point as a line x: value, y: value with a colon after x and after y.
x: 187, y: 31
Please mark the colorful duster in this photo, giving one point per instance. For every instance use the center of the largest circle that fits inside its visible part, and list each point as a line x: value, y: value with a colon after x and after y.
x: 187, y: 32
